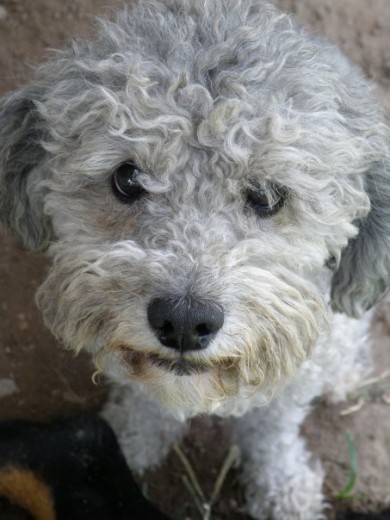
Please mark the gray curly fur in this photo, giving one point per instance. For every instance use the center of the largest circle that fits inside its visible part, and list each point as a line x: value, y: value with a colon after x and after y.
x: 208, y: 98
x: 195, y: 68
x: 362, y: 278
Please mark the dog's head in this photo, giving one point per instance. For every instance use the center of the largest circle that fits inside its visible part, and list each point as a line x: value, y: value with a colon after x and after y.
x: 207, y: 179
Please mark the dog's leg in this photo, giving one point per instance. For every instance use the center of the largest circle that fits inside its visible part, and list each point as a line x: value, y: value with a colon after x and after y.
x: 281, y: 481
x: 145, y: 431
x: 349, y: 361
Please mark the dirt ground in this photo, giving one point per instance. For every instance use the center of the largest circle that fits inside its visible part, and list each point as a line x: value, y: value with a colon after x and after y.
x: 38, y: 379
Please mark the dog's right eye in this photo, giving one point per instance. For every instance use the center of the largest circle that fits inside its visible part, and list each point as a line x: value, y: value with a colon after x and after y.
x: 266, y: 201
x: 125, y: 184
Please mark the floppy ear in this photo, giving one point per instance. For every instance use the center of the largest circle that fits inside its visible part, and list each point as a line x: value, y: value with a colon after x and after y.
x: 22, y: 168
x: 363, y: 277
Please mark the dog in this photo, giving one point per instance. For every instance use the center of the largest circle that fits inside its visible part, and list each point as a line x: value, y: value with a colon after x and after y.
x: 211, y: 183
x: 70, y: 468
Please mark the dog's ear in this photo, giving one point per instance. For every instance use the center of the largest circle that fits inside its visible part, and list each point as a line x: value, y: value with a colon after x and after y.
x: 22, y: 168
x: 363, y: 277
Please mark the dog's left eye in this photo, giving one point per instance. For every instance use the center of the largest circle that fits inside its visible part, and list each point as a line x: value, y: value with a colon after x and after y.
x: 125, y: 184
x: 266, y: 201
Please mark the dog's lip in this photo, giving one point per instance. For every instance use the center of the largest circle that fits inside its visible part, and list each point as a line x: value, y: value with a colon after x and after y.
x: 179, y: 366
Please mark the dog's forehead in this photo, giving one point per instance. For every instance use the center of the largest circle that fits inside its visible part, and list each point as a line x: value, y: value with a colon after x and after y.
x: 249, y: 97
x: 240, y: 96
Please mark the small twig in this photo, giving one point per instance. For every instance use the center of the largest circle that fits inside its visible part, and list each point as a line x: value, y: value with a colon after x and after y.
x: 369, y: 391
x: 194, y: 496
x: 354, y: 408
x: 374, y: 380
x: 231, y: 458
x: 386, y: 398
x: 192, y: 484
x: 190, y: 472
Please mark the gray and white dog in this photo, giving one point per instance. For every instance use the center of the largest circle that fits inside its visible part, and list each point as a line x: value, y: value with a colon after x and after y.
x: 212, y: 185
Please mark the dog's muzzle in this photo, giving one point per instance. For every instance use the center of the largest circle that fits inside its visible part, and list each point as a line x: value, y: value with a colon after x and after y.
x: 184, y: 324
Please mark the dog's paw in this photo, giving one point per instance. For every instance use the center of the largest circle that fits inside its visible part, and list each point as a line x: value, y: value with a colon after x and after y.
x: 297, y: 496
x: 145, y: 433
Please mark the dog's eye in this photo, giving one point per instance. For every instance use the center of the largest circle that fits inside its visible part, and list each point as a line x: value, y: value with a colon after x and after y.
x: 125, y: 184
x: 266, y: 201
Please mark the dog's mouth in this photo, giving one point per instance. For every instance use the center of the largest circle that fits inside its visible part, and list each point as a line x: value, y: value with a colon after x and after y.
x: 180, y: 366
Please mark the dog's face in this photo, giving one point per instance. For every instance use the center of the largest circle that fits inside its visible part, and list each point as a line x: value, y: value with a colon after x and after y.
x: 198, y: 174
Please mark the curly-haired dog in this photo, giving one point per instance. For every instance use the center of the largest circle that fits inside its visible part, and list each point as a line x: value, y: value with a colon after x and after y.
x: 212, y: 184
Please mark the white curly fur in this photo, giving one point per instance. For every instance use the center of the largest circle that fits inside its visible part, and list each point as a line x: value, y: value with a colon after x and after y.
x: 207, y: 98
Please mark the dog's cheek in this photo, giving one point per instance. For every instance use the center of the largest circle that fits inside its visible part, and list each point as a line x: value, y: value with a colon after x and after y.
x: 74, y: 305
x: 273, y: 321
x: 91, y: 216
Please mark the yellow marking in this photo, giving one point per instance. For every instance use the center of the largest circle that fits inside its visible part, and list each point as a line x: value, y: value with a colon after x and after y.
x: 24, y: 489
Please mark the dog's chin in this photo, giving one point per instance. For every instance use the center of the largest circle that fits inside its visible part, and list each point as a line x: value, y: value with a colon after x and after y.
x: 187, y: 385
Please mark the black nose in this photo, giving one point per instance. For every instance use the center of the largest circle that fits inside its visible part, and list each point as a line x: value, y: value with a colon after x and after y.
x: 184, y: 324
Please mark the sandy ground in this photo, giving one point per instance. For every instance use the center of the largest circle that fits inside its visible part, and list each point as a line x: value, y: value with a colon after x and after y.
x: 38, y: 379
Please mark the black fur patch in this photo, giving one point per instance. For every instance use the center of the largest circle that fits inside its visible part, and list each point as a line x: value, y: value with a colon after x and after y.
x: 81, y: 462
